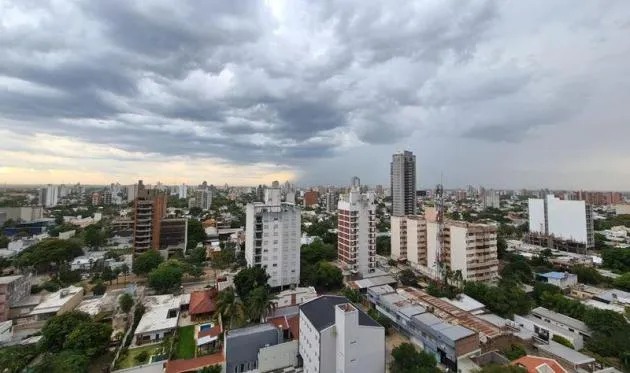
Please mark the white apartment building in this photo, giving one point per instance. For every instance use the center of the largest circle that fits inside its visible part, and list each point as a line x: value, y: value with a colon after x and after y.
x: 132, y: 192
x: 49, y: 196
x: 335, y: 336
x: 203, y: 199
x: 563, y: 220
x: 469, y: 248
x: 273, y: 235
x: 182, y: 191
x: 356, y: 232
x: 491, y: 199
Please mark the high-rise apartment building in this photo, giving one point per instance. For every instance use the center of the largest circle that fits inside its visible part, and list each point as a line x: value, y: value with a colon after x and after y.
x: 132, y: 192
x: 403, y: 183
x: 149, y: 210
x: 332, y: 198
x: 491, y: 199
x: 561, y: 224
x: 96, y: 198
x: 466, y: 247
x: 356, y: 236
x: 49, y: 196
x: 203, y: 199
x: 311, y: 198
x: 106, y: 198
x: 182, y: 191
x: 273, y: 232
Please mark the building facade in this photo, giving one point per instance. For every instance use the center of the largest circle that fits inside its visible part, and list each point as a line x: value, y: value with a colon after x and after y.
x: 466, y: 247
x: 12, y: 290
x: 311, y: 198
x: 403, y: 183
x: 203, y: 199
x: 491, y: 199
x: 174, y: 234
x: 149, y: 210
x: 356, y: 232
x: 273, y: 234
x: 558, y: 220
x: 49, y: 196
x: 335, y: 336
x: 332, y: 198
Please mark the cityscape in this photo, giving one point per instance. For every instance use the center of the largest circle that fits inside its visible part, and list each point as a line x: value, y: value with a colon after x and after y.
x: 314, y: 186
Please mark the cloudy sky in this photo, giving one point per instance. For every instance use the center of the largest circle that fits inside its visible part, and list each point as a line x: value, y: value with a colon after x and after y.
x: 495, y: 93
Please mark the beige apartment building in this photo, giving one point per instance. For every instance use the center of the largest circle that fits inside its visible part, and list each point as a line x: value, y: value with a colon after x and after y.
x: 467, y: 247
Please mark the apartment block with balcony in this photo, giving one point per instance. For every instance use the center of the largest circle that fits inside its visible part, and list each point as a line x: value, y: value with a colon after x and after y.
x: 273, y: 239
x: 356, y: 232
x: 149, y: 210
x: 409, y: 239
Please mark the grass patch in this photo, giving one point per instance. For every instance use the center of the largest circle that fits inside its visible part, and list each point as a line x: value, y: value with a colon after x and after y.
x: 129, y: 360
x: 185, y: 348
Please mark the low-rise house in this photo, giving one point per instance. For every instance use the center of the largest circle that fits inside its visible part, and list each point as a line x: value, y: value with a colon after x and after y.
x: 57, y: 303
x: 545, y: 324
x: 202, y: 304
x: 293, y: 297
x: 258, y: 348
x: 537, y: 364
x: 159, y: 320
x: 562, y: 280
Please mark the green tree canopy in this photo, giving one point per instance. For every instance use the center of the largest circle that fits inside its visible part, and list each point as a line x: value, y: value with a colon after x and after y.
x: 99, y: 288
x: 15, y: 358
x: 91, y: 338
x: 94, y: 236
x: 623, y: 281
x: 125, y: 302
x: 407, y: 277
x: 249, y: 279
x: 230, y: 308
x: 196, y: 233
x: 146, y: 262
x: 56, y: 330
x: 505, y: 300
x: 51, y: 250
x: 167, y: 277
x: 65, y: 361
x: 259, y: 304
x: 316, y: 252
x: 406, y: 359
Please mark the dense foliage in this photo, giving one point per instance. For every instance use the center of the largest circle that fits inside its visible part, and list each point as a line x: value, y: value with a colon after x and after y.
x: 616, y: 259
x: 383, y: 245
x: 196, y: 234
x: 125, y: 302
x: 167, y: 277
x: 406, y: 359
x: 504, y: 300
x: 248, y: 279
x: 407, y: 277
x: 315, y: 269
x: 49, y: 251
x: 146, y: 262
x: 16, y: 358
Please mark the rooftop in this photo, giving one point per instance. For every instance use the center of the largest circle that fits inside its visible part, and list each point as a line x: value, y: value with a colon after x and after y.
x: 8, y: 279
x: 202, y: 302
x: 321, y: 312
x: 556, y: 275
x: 558, y: 317
x: 373, y: 281
x: 565, y: 353
x: 157, y: 315
x: 533, y: 364
x: 249, y: 330
x: 54, y: 301
x: 466, y: 303
x: 191, y: 365
x: 614, y: 295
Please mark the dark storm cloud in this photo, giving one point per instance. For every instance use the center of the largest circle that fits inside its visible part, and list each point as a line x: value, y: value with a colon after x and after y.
x: 251, y: 81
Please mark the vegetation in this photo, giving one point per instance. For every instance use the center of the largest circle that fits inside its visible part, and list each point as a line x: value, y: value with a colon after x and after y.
x: 94, y: 236
x: 248, y: 279
x: 50, y: 251
x: 381, y: 319
x: 146, y: 262
x: 259, y: 303
x: 323, y: 275
x: 167, y: 277
x: 99, y: 288
x: 211, y: 369
x: 196, y: 234
x: 185, y: 348
x: 505, y: 300
x: 407, y: 277
x: 588, y: 275
x: 406, y: 359
x: 518, y: 269
x: 125, y: 302
x: 65, y: 361
x: 383, y: 245
x: 613, y: 221
x: 230, y: 309
x: 623, y: 281
x: 142, y: 357
x: 15, y: 358
x: 563, y: 341
x: 353, y: 295
x: 493, y: 368
x: 616, y: 259
x: 514, y: 352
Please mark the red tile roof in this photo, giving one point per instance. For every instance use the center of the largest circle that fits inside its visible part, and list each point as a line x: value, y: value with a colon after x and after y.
x: 531, y: 363
x: 202, y: 302
x: 192, y: 365
x: 212, y: 332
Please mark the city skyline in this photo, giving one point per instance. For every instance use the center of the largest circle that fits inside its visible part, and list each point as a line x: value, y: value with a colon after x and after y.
x: 506, y: 95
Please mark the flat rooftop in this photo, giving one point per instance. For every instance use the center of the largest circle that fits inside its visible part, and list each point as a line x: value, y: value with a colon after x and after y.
x: 54, y: 301
x: 156, y: 317
x: 558, y: 317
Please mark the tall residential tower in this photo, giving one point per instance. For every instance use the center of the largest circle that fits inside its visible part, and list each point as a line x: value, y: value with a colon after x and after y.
x: 356, y: 237
x: 403, y: 183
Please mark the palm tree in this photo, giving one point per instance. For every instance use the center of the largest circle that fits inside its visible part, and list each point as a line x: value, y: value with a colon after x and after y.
x: 125, y: 270
x: 230, y: 309
x: 458, y: 277
x: 259, y: 304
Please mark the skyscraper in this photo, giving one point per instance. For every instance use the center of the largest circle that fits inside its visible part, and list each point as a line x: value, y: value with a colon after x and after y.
x: 273, y: 231
x: 149, y: 210
x: 403, y: 183
x: 49, y: 196
x: 356, y: 237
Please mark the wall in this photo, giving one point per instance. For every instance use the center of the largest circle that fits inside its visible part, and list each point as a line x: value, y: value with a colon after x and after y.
x: 398, y: 248
x: 575, y: 339
x: 458, y: 250
x: 536, y: 209
x: 327, y: 344
x: 358, y: 348
x: 309, y: 345
x: 567, y: 219
x: 279, y: 356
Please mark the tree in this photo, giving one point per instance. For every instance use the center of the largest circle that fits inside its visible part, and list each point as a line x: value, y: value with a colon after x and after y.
x: 327, y: 277
x: 616, y: 259
x: 316, y: 252
x: 16, y: 358
x: 167, y: 277
x: 353, y: 295
x: 406, y: 359
x: 57, y: 329
x: 383, y: 245
x: 142, y: 357
x: 93, y: 236
x: 505, y: 300
x: 99, y: 288
x: 196, y: 233
x: 623, y: 281
x: 563, y: 341
x: 407, y: 277
x: 248, y: 279
x: 197, y: 255
x: 211, y: 369
x: 146, y: 262
x: 68, y: 277
x: 230, y: 309
x: 493, y: 368
x: 108, y: 274
x: 588, y: 275
x: 195, y: 211
x: 124, y: 269
x: 91, y: 338
x: 518, y: 269
x: 4, y: 241
x: 259, y: 304
x: 51, y: 250
x: 65, y: 361
x: 514, y: 352
x: 125, y: 302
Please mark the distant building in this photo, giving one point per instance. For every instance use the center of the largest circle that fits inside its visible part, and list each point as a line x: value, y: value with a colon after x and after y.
x: 311, y: 198
x: 203, y: 199
x: 467, y: 247
x: 356, y: 232
x: 13, y: 289
x: 57, y: 303
x: 332, y: 198
x: 562, y: 280
x: 599, y: 198
x: 106, y: 198
x: 173, y: 234
x: 545, y: 324
x: 132, y: 192
x: 491, y: 199
x: 24, y: 214
x: 561, y: 224
x: 273, y: 235
x: 336, y: 336
x: 182, y: 191
x: 149, y: 210
x: 96, y: 199
x: 49, y: 196
x: 403, y: 183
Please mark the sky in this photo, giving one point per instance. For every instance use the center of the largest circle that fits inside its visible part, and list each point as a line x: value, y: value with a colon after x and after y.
x: 504, y: 94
